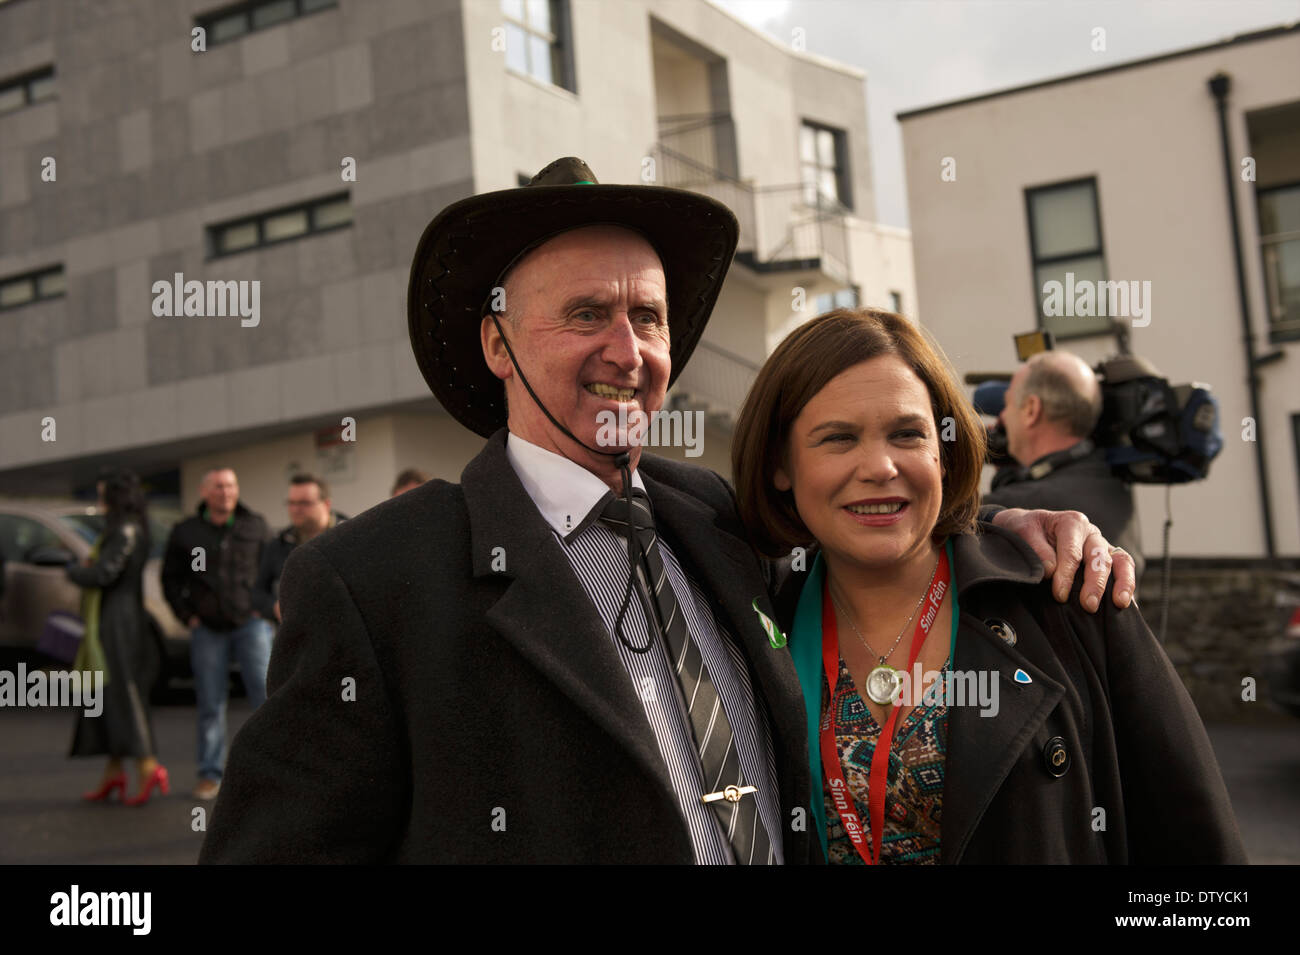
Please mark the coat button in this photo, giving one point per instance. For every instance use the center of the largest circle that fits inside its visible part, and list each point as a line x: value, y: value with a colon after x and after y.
x: 1056, y: 757
x: 1002, y: 629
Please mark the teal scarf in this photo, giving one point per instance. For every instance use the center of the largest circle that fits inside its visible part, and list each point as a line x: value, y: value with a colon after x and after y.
x: 806, y: 649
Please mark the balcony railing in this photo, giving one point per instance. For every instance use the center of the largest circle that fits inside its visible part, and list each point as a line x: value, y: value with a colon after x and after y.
x: 782, y: 227
x: 715, y: 381
x: 708, y: 140
x: 794, y: 223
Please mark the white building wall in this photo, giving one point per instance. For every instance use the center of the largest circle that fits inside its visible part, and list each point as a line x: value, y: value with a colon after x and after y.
x: 385, y: 445
x: 882, y: 263
x: 519, y: 125
x: 1150, y: 136
x: 264, y: 468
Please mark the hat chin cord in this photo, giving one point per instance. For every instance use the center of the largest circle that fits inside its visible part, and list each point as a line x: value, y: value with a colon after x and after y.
x: 622, y: 461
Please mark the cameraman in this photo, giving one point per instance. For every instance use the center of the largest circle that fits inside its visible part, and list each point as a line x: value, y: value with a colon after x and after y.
x: 1051, y: 407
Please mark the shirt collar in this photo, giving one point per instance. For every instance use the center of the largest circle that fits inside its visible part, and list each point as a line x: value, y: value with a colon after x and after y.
x: 1058, y: 459
x: 563, y: 490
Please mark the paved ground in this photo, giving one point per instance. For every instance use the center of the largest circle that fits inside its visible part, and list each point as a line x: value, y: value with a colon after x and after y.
x: 1261, y: 765
x: 43, y: 820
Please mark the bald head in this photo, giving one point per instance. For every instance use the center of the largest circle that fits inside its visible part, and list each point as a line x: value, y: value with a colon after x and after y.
x: 220, y: 491
x: 1068, y: 389
x: 1053, y: 402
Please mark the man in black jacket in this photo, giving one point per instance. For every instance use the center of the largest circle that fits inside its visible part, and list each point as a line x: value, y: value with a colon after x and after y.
x: 310, y: 513
x: 208, y: 572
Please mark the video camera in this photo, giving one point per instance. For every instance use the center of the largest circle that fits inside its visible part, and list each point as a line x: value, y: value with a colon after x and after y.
x: 1152, y: 432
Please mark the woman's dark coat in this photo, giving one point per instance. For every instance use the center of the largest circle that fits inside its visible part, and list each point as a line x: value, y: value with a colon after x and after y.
x: 124, y: 727
x: 1138, y: 782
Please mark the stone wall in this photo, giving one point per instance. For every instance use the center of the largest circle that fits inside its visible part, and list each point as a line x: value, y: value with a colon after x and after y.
x: 1224, y: 616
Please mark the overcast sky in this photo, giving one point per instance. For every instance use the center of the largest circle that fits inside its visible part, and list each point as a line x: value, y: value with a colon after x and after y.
x: 921, y: 52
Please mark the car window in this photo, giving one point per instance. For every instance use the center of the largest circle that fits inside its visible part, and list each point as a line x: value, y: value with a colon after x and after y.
x: 87, y: 526
x: 19, y: 536
x: 160, y: 528
x: 90, y: 526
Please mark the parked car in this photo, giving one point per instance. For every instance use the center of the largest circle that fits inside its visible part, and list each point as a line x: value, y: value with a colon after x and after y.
x: 37, y: 538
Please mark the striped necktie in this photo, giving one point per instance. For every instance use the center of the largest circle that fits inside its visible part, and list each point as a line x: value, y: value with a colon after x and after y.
x: 719, y: 759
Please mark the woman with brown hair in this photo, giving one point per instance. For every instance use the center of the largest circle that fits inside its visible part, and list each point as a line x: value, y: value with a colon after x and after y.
x: 957, y: 712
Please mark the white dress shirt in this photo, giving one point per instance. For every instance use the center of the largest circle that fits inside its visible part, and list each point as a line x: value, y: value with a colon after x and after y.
x: 565, y: 494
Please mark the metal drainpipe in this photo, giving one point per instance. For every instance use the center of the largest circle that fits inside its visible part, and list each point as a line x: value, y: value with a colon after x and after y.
x: 1219, y: 85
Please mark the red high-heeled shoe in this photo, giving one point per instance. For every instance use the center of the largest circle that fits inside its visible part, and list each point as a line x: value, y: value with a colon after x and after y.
x: 106, y: 789
x: 158, y: 779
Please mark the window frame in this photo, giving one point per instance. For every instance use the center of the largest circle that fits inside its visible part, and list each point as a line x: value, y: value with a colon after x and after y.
x: 854, y: 290
x: 560, y: 36
x: 1035, y: 263
x: 310, y: 207
x: 843, y: 181
x: 245, y: 9
x: 1295, y: 441
x: 1276, y: 333
x: 25, y: 81
x: 34, y: 276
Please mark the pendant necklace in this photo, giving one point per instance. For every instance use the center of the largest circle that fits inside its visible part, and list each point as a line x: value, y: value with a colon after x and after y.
x: 884, y: 682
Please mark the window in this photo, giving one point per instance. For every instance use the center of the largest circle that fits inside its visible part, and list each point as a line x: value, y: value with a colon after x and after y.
x: 896, y: 302
x: 26, y: 90
x: 331, y: 214
x: 87, y: 526
x: 233, y: 22
x: 823, y: 162
x: 537, y: 40
x: 285, y: 225
x: 37, y: 286
x: 280, y: 225
x: 1065, y: 247
x: 842, y: 298
x: 19, y: 536
x: 1279, y: 242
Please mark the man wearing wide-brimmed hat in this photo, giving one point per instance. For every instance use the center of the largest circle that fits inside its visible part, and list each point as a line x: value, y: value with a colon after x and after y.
x: 568, y: 656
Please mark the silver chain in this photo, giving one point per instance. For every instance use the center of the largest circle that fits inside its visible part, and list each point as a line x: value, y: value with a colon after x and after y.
x: 900, y: 632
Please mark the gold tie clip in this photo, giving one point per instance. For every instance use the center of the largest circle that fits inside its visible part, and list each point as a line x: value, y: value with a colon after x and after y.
x: 731, y: 794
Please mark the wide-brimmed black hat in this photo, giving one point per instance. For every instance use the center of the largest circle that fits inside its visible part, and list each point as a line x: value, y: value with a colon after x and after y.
x: 468, y: 247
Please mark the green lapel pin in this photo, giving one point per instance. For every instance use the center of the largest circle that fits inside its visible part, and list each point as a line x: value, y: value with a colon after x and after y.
x: 774, y: 635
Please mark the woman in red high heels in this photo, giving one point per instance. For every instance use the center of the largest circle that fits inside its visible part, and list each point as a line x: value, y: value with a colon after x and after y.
x: 118, y: 642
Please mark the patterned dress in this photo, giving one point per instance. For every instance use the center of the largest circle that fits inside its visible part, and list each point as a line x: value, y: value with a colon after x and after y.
x: 915, y: 782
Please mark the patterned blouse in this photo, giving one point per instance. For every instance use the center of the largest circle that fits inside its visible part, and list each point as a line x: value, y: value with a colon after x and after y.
x: 915, y: 782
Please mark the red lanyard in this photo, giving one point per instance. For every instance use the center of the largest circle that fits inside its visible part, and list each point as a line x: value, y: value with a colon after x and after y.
x: 839, y: 789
